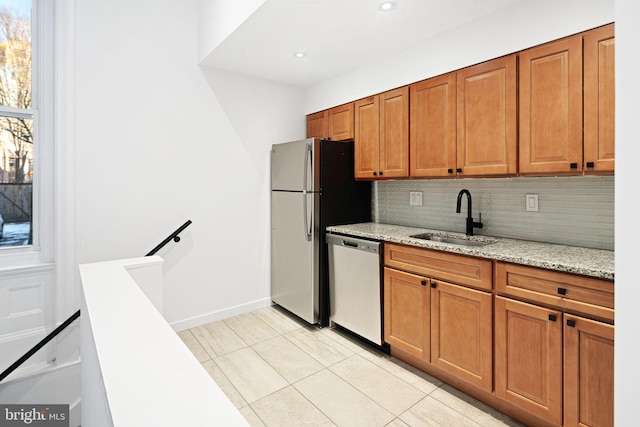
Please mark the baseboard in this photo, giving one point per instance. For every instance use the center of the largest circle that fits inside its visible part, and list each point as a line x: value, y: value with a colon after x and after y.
x: 192, y: 322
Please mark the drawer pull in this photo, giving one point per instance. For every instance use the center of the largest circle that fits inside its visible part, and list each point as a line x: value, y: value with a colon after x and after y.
x: 552, y: 317
x: 562, y: 291
x: 571, y: 323
x: 424, y: 283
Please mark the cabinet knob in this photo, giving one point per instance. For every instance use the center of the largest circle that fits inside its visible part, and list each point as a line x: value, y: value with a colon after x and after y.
x: 590, y: 164
x: 433, y: 285
x: 562, y: 291
x: 424, y: 283
x: 375, y: 174
x: 552, y: 317
x: 573, y: 165
x: 458, y: 170
x: 450, y: 170
x: 381, y: 173
x: 571, y: 323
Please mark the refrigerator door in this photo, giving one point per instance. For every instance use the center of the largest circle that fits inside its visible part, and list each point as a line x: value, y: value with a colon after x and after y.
x: 294, y: 253
x: 292, y: 166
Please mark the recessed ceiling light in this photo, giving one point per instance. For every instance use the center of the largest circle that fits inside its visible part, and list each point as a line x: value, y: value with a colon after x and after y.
x: 299, y: 54
x: 386, y: 6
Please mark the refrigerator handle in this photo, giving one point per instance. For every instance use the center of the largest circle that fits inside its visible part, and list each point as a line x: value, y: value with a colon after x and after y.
x: 305, y: 194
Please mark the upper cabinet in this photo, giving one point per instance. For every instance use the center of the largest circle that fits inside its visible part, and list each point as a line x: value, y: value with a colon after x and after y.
x: 551, y: 107
x: 599, y: 100
x: 335, y: 123
x: 432, y: 142
x: 567, y: 117
x: 487, y: 120
x: 382, y: 135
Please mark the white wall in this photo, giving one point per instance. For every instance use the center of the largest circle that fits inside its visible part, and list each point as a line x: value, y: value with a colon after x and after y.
x: 627, y: 374
x: 217, y: 19
x: 157, y: 141
x: 522, y: 25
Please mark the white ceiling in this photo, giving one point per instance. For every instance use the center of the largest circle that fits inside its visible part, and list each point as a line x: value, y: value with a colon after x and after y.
x: 337, y: 36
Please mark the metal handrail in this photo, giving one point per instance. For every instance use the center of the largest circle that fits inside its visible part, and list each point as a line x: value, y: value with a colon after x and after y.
x: 174, y: 236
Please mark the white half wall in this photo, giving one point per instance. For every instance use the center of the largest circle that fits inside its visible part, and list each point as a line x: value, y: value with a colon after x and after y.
x: 157, y: 141
x: 522, y: 25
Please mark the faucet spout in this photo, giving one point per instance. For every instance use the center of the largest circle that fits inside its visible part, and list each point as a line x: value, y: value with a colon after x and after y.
x: 471, y: 224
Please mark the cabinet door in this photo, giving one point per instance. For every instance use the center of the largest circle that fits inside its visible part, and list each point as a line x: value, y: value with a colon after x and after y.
x: 394, y: 133
x: 588, y: 372
x: 317, y: 125
x: 341, y: 122
x: 367, y: 138
x: 462, y: 333
x: 599, y: 100
x: 432, y: 142
x: 529, y: 358
x: 551, y: 108
x: 486, y: 118
x: 406, y: 312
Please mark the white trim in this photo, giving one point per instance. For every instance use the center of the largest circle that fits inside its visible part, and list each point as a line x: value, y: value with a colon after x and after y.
x: 192, y: 322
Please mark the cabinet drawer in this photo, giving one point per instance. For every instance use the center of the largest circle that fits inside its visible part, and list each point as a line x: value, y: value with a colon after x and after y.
x: 563, y: 290
x: 460, y: 269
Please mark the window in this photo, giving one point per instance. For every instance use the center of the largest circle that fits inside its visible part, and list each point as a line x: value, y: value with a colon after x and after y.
x: 16, y: 124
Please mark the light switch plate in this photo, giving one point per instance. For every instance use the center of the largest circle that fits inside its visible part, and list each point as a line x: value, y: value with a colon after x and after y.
x: 531, y: 202
x: 415, y: 198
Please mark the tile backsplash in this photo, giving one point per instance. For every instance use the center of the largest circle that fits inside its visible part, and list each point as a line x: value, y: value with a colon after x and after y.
x: 576, y: 211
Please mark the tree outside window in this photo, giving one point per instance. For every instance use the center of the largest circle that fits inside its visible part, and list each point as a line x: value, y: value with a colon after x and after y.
x: 16, y: 123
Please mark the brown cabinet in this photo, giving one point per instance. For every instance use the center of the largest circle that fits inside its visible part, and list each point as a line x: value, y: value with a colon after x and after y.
x: 462, y: 333
x: 406, y: 314
x: 582, y: 348
x: 432, y: 141
x: 335, y: 123
x: 486, y: 118
x: 382, y: 135
x: 599, y: 100
x: 528, y: 358
x: 588, y: 372
x: 551, y: 108
x: 438, y: 322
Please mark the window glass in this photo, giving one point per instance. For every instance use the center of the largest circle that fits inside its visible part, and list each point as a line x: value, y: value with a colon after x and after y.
x: 16, y: 124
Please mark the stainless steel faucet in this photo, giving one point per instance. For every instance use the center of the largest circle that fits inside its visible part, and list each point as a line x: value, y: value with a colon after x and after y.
x: 470, y: 223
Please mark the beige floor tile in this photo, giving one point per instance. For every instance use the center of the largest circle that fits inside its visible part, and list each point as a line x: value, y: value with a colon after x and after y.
x: 409, y: 374
x: 287, y: 359
x: 194, y: 346
x: 218, y: 339
x: 225, y: 385
x: 287, y: 407
x: 472, y: 408
x: 397, y: 423
x: 250, y: 328
x: 250, y: 374
x: 352, y: 343
x: 432, y: 413
x: 274, y: 317
x: 319, y: 346
x: 251, y: 417
x: 341, y: 402
x: 386, y: 389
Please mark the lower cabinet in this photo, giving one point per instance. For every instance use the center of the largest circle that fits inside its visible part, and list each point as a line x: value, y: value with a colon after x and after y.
x: 540, y: 352
x: 441, y: 323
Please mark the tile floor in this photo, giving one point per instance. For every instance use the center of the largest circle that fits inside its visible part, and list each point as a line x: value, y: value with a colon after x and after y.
x: 280, y: 371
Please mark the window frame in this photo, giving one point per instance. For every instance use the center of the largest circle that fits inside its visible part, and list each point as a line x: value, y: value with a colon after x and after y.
x: 43, y: 115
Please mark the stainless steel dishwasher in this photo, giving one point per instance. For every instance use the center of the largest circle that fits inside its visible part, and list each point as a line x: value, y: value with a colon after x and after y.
x: 355, y: 285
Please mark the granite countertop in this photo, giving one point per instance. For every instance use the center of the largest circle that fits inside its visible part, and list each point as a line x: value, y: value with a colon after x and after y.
x: 571, y: 259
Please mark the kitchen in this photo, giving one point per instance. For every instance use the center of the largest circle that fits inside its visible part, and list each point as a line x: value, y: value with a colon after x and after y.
x: 232, y: 121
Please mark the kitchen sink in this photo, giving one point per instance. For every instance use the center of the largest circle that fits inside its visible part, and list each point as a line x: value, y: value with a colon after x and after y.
x: 471, y: 241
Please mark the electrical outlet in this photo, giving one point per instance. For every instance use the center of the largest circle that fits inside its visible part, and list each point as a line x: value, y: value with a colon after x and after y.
x: 415, y: 198
x: 531, y: 202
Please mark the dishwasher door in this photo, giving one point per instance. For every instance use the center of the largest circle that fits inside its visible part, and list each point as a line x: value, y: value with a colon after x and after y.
x: 355, y: 285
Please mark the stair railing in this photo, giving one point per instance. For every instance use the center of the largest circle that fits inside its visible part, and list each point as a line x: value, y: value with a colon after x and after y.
x: 173, y: 236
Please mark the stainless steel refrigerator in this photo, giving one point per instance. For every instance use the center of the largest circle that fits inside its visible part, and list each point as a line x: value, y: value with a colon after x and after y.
x: 312, y: 187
